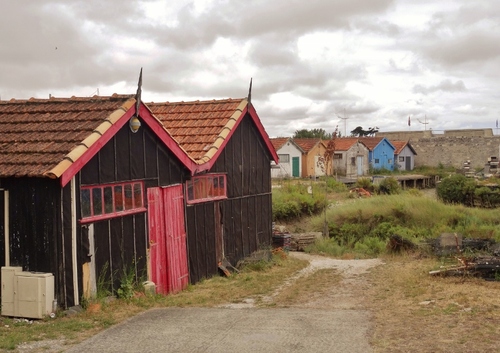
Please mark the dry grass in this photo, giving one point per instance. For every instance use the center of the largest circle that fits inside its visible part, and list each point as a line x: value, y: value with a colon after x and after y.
x: 415, y: 312
x: 307, y: 288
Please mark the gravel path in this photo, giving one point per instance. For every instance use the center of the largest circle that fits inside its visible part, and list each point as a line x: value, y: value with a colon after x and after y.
x: 332, y: 322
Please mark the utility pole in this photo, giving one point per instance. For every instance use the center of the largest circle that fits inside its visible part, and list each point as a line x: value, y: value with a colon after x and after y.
x: 424, y: 122
x: 345, y: 122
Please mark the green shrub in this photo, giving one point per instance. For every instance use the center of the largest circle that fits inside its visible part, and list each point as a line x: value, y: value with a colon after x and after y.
x: 294, y: 200
x: 335, y: 186
x: 389, y: 186
x: 457, y: 189
x: 326, y: 246
x: 365, y: 183
x: 371, y: 246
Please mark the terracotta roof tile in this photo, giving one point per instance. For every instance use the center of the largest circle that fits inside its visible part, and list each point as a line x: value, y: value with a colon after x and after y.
x: 199, y: 127
x: 36, y: 135
x: 400, y: 145
x: 307, y: 144
x: 370, y: 142
x: 344, y: 143
x: 278, y: 142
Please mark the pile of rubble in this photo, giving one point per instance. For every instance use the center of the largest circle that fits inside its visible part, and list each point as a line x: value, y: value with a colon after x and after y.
x: 475, y: 257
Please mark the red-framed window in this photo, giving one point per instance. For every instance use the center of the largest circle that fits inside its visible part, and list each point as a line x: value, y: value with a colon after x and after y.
x: 111, y: 200
x: 206, y: 188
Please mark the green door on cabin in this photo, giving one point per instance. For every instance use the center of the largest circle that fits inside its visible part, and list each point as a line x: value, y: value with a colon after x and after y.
x: 295, y: 166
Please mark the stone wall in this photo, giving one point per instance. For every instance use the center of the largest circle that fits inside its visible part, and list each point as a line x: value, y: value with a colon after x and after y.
x: 450, y: 148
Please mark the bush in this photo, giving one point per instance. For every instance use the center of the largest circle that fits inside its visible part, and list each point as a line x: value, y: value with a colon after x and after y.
x: 389, y: 186
x: 294, y: 200
x: 335, y: 186
x: 371, y: 246
x: 365, y: 183
x: 457, y: 189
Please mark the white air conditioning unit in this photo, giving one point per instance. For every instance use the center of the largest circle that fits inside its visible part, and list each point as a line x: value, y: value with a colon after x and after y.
x: 27, y: 294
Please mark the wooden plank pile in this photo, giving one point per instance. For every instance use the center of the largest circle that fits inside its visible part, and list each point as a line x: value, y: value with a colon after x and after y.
x: 483, y: 261
x: 300, y: 241
x: 487, y: 267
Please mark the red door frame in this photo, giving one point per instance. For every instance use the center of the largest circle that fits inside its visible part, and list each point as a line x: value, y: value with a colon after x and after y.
x: 167, y: 239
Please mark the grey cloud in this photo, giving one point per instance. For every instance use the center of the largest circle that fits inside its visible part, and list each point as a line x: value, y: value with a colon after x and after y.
x: 445, y: 86
x: 243, y: 19
x: 475, y: 47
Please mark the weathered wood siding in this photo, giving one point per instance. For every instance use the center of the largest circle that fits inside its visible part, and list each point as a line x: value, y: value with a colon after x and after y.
x: 121, y: 242
x: 246, y: 215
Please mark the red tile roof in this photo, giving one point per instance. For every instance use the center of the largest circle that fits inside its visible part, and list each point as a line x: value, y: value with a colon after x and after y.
x: 307, y: 144
x: 400, y: 145
x: 42, y: 137
x: 370, y: 142
x: 199, y: 127
x: 45, y: 137
x: 344, y: 143
x: 278, y: 142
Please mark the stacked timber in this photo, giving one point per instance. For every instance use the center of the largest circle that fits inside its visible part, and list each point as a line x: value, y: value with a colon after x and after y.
x: 282, y: 240
x: 300, y: 241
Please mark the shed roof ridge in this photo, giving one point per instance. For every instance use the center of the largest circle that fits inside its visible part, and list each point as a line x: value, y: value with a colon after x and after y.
x: 224, y: 133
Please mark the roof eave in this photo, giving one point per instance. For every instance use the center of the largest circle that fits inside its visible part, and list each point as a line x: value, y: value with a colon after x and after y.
x: 69, y: 166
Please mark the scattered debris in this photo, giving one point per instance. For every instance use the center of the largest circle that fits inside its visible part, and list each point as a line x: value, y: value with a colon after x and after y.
x: 360, y: 192
x: 257, y: 256
x: 225, y: 268
x: 397, y: 244
x: 486, y: 267
x: 427, y: 302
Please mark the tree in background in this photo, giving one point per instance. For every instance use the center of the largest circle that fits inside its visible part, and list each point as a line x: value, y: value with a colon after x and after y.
x: 360, y: 132
x: 312, y: 133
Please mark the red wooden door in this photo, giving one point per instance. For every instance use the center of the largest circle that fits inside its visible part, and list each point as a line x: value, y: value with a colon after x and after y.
x: 167, y: 239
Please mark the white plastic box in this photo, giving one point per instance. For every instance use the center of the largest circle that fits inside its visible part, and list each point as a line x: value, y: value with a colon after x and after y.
x: 27, y: 294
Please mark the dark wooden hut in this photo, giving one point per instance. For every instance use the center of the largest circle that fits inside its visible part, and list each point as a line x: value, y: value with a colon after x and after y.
x: 100, y: 186
x: 228, y: 200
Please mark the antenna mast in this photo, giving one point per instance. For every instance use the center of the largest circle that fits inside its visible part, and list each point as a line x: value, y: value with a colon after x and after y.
x: 345, y: 122
x: 425, y: 122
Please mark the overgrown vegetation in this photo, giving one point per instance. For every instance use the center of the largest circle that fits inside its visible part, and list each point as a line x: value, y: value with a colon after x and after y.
x: 293, y: 200
x: 457, y: 189
x: 362, y: 228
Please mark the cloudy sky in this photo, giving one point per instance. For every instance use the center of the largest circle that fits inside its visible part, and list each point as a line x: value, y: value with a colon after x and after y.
x: 373, y: 62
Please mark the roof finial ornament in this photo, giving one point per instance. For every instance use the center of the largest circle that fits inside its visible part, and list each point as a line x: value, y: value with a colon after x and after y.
x: 249, y: 98
x: 138, y: 94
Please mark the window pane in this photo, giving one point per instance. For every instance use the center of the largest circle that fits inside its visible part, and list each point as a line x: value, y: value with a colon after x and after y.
x: 222, y: 190
x: 85, y: 196
x: 284, y: 158
x: 108, y: 199
x: 199, y: 188
x: 138, y: 195
x: 210, y: 186
x: 190, y: 190
x: 118, y: 198
x: 97, y: 201
x: 129, y: 202
x: 216, y: 191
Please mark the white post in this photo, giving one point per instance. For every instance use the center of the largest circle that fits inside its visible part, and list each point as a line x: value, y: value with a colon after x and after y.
x: 76, y: 294
x: 6, y: 226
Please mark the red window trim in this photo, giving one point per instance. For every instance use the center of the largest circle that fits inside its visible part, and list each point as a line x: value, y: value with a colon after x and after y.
x: 207, y: 198
x: 123, y: 212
